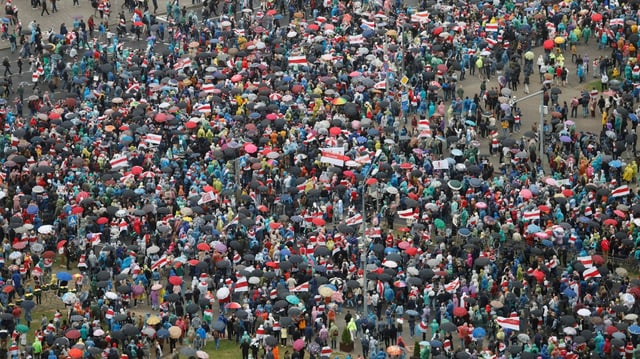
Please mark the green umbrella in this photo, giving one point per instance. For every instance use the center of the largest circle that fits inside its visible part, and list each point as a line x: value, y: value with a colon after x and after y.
x: 439, y: 223
x: 22, y: 328
x: 455, y: 184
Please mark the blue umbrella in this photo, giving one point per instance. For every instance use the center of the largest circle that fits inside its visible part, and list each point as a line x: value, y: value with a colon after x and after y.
x: 565, y: 139
x: 254, y: 115
x: 373, y: 132
x: 64, y: 276
x: 569, y: 293
x: 533, y: 228
x: 547, y: 243
x: 5, y: 20
x: 584, y: 219
x: 615, y: 164
x: 436, y: 343
x: 479, y: 333
x: 162, y: 333
x: 361, y: 139
x: 389, y: 250
x: 32, y: 209
x: 464, y: 231
x: 634, y: 329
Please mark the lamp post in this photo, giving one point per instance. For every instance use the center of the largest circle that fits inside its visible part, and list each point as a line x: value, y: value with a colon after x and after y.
x: 370, y: 173
x: 541, y: 125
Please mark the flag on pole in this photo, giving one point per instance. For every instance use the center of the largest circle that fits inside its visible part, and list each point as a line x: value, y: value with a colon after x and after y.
x: 586, y: 261
x: 452, y: 286
x: 207, y: 197
x: 531, y: 215
x: 241, y: 285
x: 297, y: 60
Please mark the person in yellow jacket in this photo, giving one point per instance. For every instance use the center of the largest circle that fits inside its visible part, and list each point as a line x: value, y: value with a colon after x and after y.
x: 630, y: 172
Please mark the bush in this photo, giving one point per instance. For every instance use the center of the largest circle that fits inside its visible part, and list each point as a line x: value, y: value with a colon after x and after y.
x: 346, y: 337
x: 416, y: 350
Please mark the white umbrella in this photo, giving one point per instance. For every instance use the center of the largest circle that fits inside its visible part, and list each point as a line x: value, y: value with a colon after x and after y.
x: 45, y: 229
x: 222, y: 293
x: 111, y: 295
x: 584, y: 312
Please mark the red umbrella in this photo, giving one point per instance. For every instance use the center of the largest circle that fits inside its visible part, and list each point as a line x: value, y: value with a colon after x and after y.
x: 7, y: 289
x: 548, y: 44
x: 438, y: 30
x: 273, y: 265
x: 20, y: 245
x: 275, y: 225
x: 262, y: 208
x: 175, y: 280
x: 72, y: 334
x: 190, y: 125
x: 203, y: 247
x: 610, y: 222
x: 597, y: 259
x: 412, y: 251
x: 619, y: 213
x: 318, y: 221
x: 193, y: 262
x: 49, y: 254
x: 404, y: 245
x: 61, y: 244
x: 137, y: 170
x: 371, y: 181
x: 460, y: 312
x: 160, y: 117
x: 597, y: 17
x: 102, y: 220
x: 233, y: 305
x: 335, y: 131
x: 538, y: 275
x: 76, y: 353
x: 77, y: 210
x: 406, y: 166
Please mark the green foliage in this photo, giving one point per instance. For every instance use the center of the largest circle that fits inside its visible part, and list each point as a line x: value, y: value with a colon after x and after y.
x: 346, y: 337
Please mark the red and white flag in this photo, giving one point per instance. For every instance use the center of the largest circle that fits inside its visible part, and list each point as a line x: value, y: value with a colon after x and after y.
x: 207, y: 197
x: 592, y: 272
x: 382, y: 85
x: 616, y: 22
x: 374, y: 232
x: 304, y: 287
x: 153, y: 139
x: 203, y: 108
x: 531, y: 215
x: 120, y: 162
x: 334, y: 156
x: 94, y: 238
x: 421, y: 17
x: 406, y: 214
x: 355, y: 220
x: 586, y: 261
x: 491, y: 27
x: 370, y: 24
x: 452, y: 286
x: 241, y: 285
x: 297, y: 60
x: 512, y: 323
x: 134, y: 87
x: 207, y: 88
x: 356, y: 39
x: 160, y: 263
x: 621, y: 191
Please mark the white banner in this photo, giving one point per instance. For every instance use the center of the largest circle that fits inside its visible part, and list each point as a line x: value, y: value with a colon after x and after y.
x: 441, y: 165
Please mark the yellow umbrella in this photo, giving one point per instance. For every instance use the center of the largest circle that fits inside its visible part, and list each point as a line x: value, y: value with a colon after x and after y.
x: 325, y: 291
x: 154, y: 320
x: 392, y: 33
x: 559, y: 40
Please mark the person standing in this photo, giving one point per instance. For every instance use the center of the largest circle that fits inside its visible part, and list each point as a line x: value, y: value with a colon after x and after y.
x: 7, y: 66
x: 44, y: 8
x: 54, y: 7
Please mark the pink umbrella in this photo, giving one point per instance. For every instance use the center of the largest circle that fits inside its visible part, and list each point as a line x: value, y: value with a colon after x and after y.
x: 526, y: 194
x: 337, y: 297
x: 250, y: 148
x: 298, y: 345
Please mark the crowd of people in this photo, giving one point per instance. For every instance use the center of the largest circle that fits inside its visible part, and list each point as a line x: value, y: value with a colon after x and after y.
x: 258, y: 173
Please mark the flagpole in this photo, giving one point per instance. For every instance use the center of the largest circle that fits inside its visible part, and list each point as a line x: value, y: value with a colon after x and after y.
x: 365, y: 251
